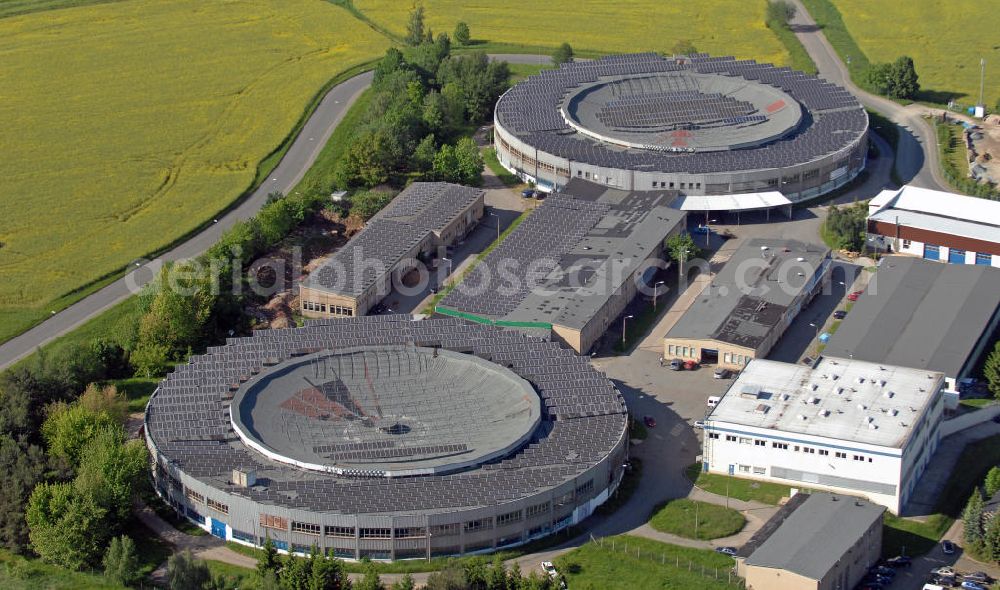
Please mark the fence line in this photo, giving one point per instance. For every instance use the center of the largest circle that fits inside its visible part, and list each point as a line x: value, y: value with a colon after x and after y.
x: 718, y: 574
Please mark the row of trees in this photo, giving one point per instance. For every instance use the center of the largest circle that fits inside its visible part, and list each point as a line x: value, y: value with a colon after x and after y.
x: 981, y: 530
x: 897, y: 79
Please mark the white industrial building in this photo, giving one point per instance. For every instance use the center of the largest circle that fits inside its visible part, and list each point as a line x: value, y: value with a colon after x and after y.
x: 847, y: 426
x: 936, y: 225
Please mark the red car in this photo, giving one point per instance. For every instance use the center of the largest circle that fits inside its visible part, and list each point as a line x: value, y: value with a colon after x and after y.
x: 649, y: 421
x: 690, y: 365
x: 854, y: 296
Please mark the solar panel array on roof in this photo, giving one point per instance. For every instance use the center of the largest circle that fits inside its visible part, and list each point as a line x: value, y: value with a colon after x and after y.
x: 584, y: 418
x: 833, y: 118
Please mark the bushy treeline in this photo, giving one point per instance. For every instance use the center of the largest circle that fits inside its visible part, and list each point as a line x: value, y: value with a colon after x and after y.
x: 425, y: 101
x: 981, y: 528
x: 846, y: 227
x: 956, y: 176
x: 896, y: 80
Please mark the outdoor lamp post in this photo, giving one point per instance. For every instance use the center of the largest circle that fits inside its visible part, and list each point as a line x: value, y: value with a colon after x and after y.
x: 655, y: 287
x: 628, y: 317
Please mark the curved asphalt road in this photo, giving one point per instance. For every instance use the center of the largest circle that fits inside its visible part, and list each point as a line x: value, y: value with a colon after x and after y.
x: 286, y: 175
x: 917, y: 156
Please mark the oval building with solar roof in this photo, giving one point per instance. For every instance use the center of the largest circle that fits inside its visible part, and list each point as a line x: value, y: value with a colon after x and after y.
x: 702, y: 126
x: 387, y: 438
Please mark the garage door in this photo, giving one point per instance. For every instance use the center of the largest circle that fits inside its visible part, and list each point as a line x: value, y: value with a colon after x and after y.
x: 956, y: 256
x: 932, y: 252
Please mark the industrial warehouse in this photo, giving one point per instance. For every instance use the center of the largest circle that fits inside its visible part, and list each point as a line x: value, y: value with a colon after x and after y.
x: 757, y: 136
x: 573, y: 265
x: 387, y: 438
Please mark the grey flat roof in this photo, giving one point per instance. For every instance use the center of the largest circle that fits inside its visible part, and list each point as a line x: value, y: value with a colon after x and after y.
x: 595, y: 239
x: 421, y: 208
x: 814, y: 537
x: 921, y: 314
x: 751, y: 293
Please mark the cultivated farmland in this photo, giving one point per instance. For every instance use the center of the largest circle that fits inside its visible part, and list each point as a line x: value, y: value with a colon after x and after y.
x: 945, y: 40
x: 719, y: 27
x: 128, y: 124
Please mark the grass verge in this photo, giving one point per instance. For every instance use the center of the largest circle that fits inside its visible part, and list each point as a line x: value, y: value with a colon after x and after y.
x: 632, y: 562
x: 799, y: 57
x: 828, y: 18
x: 490, y: 157
x: 692, y: 519
x: 738, y: 488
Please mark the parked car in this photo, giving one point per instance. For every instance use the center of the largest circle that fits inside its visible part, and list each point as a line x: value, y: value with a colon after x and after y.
x: 807, y: 360
x: 713, y: 400
x: 980, y: 577
x: 649, y: 421
x: 968, y: 585
x: 730, y: 551
x: 943, y: 571
x: 722, y: 373
x: 839, y: 314
x: 699, y: 424
x: 528, y: 193
x: 690, y: 365
x: 948, y: 547
x: 549, y: 569
x: 854, y: 296
x: 881, y: 570
x: 676, y: 365
x: 899, y: 561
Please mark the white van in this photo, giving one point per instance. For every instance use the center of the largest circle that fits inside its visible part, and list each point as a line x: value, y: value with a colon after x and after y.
x: 713, y: 401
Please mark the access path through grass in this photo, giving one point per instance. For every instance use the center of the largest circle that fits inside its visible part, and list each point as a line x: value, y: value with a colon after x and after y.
x: 696, y: 520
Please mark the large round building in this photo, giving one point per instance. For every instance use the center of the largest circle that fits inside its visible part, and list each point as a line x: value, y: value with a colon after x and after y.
x: 387, y: 437
x: 698, y: 125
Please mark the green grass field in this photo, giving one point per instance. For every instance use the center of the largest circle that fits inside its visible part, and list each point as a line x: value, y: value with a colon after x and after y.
x: 18, y: 573
x: 133, y: 123
x: 631, y: 562
x: 677, y: 517
x: 714, y: 26
x: 945, y: 40
x: 739, y: 488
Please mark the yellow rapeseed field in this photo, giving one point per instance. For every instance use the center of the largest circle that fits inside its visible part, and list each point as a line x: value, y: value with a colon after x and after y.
x: 945, y: 40
x: 125, y: 125
x: 720, y: 27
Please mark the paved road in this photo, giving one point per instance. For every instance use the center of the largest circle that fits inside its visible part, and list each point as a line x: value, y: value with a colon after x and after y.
x: 917, y: 160
x: 287, y: 174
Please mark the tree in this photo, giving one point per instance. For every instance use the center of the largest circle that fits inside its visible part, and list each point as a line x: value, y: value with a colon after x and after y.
x: 446, y: 165
x: 897, y: 80
x: 150, y: 359
x: 563, y: 54
x: 434, y: 109
x: 371, y: 580
x: 681, y: 247
x: 184, y: 572
x: 326, y: 574
x: 972, y: 520
x: 69, y: 428
x: 121, y: 564
x: 415, y: 27
x: 450, y: 578
x: 405, y: 583
x: 470, y: 162
x: 105, y: 399
x: 991, y: 370
x: 779, y: 12
x: 295, y: 573
x: 845, y: 227
x: 992, y: 484
x: 22, y: 466
x: 65, y: 528
x: 462, y: 33
x: 496, y: 576
x: 268, y: 560
x: 390, y: 63
x: 991, y: 540
x: 112, y: 471
x: 365, y: 204
x: 684, y: 47
x: 423, y: 157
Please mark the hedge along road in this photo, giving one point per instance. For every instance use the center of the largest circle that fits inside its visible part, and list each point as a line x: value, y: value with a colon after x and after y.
x: 289, y: 171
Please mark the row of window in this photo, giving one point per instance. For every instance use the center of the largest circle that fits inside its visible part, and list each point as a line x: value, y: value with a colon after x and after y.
x: 752, y: 469
x: 736, y: 359
x: 275, y: 522
x: 683, y: 185
x: 321, y: 307
x: 745, y: 440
